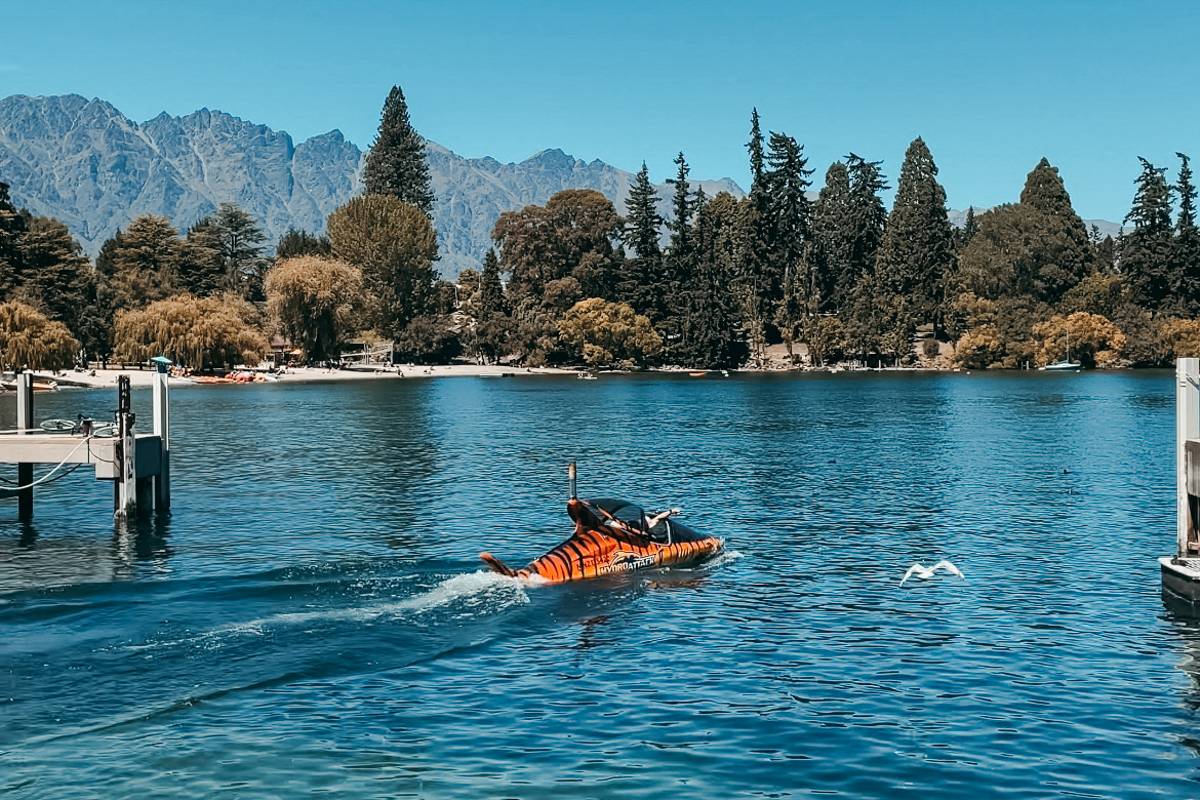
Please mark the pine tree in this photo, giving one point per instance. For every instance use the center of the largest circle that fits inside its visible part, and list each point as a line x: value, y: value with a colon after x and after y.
x: 786, y: 183
x: 297, y: 242
x: 1065, y: 256
x: 643, y: 277
x: 711, y: 335
x: 917, y: 249
x: 202, y: 270
x: 867, y: 220
x: 241, y: 242
x: 143, y: 262
x: 491, y: 290
x: 396, y: 162
x: 678, y: 260
x: 755, y: 148
x: 1186, y: 257
x: 1146, y: 251
x: 969, y: 229
x: 830, y: 256
x: 13, y: 225
x: 58, y: 278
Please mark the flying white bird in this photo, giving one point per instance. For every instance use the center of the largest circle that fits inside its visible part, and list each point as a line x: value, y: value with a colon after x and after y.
x: 925, y: 573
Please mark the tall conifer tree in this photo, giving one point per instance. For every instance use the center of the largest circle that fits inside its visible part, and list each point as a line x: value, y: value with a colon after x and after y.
x: 867, y: 220
x: 1186, y: 259
x: 12, y: 227
x: 755, y: 148
x: 711, y: 338
x: 396, y: 162
x: 679, y: 256
x: 1065, y: 256
x: 917, y: 250
x: 1146, y: 251
x: 644, y: 272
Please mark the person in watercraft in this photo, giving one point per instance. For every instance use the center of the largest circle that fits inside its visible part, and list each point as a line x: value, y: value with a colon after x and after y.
x: 653, y: 525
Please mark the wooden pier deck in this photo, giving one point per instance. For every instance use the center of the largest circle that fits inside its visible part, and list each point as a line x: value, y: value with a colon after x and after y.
x: 138, y: 464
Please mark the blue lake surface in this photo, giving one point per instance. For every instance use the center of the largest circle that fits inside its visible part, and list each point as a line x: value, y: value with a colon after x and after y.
x: 313, y: 619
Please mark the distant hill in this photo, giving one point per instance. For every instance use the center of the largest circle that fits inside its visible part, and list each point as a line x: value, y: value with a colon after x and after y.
x: 89, y: 165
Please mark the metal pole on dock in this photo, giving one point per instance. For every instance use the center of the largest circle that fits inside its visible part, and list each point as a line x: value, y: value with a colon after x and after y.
x: 126, y: 493
x: 25, y: 424
x: 162, y: 429
x: 1187, y: 427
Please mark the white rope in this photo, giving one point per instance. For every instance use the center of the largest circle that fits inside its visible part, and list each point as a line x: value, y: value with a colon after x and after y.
x: 57, y: 467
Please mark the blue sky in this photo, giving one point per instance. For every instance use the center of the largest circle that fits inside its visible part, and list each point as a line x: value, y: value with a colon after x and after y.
x: 991, y: 87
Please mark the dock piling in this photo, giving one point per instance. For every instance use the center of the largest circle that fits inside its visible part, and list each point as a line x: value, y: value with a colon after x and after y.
x: 24, y: 424
x: 126, y: 451
x: 162, y: 429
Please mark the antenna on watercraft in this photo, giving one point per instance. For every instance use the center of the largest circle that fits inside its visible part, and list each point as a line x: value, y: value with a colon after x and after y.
x: 571, y: 479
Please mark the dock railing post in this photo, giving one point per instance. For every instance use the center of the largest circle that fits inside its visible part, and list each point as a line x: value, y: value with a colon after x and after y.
x: 1187, y: 426
x: 126, y: 495
x: 24, y: 425
x: 162, y: 429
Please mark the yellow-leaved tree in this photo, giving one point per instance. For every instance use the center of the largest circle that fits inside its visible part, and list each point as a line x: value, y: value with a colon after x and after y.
x: 609, y: 334
x: 196, y: 332
x: 1090, y: 338
x: 29, y: 339
x: 313, y: 300
x: 1180, y: 337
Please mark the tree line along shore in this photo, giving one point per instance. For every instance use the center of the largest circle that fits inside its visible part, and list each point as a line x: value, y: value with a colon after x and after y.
x: 721, y: 282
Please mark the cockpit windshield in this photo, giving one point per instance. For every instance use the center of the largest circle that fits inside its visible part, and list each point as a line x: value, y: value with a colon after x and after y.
x: 623, y: 510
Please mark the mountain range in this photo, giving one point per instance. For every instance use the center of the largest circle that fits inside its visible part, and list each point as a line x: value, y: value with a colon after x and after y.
x: 87, y: 164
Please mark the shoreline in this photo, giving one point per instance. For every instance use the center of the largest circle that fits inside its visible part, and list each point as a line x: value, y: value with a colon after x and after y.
x: 143, y: 378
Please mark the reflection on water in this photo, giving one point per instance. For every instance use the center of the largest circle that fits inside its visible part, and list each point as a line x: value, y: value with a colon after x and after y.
x: 312, y: 617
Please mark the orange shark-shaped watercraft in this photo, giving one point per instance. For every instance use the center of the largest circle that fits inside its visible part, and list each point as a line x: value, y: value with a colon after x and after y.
x: 614, y: 536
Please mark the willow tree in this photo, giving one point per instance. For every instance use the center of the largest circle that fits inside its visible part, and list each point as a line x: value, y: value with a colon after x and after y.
x: 197, y: 332
x: 313, y: 298
x: 394, y: 245
x: 29, y: 339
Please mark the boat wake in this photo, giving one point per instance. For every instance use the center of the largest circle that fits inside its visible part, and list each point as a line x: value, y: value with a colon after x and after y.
x: 472, y: 593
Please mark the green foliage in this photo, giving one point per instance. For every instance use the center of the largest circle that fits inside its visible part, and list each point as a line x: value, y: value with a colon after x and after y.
x: 143, y: 261
x: 313, y: 298
x: 642, y: 284
x: 1185, y: 257
x: 755, y: 148
x: 571, y: 236
x: 241, y: 243
x: 28, y: 339
x: 427, y: 340
x: 395, y: 165
x: 202, y: 268
x: 917, y: 249
x: 12, y: 227
x: 1019, y: 250
x: 1146, y: 253
x: 297, y: 242
x: 58, y: 279
x: 785, y: 183
x: 394, y: 245
x: 711, y: 336
x: 604, y: 333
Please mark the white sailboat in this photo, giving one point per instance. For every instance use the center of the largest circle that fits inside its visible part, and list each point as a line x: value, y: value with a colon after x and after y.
x: 1062, y: 365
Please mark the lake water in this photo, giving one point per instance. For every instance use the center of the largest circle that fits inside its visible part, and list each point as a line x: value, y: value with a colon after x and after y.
x: 313, y: 619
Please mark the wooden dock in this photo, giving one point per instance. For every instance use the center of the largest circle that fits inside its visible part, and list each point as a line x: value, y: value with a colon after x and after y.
x: 137, y: 464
